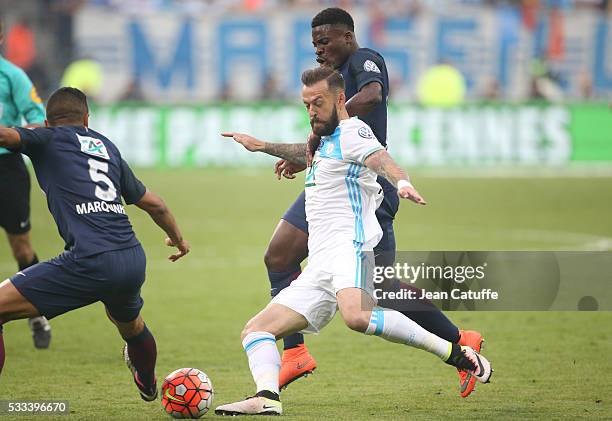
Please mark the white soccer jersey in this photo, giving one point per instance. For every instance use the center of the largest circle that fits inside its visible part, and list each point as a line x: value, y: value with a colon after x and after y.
x: 342, y: 194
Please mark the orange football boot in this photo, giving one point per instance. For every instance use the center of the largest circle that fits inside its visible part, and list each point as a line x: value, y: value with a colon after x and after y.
x: 296, y: 362
x: 474, y: 340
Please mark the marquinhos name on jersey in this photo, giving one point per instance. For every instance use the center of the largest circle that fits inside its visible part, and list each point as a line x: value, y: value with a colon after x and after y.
x: 99, y: 206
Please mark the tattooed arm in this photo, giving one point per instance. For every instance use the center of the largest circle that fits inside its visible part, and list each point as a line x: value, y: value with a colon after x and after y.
x: 382, y: 164
x: 292, y: 152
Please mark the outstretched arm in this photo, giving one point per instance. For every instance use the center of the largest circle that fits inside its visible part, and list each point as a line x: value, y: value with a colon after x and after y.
x: 382, y: 164
x: 292, y: 152
x: 159, y: 212
x: 9, y: 138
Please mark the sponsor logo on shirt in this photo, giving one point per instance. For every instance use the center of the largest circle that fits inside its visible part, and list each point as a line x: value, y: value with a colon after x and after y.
x: 365, y: 132
x: 93, y: 146
x: 310, y: 175
x: 370, y: 66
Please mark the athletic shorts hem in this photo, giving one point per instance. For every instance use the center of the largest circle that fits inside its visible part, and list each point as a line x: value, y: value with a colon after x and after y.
x: 66, y: 283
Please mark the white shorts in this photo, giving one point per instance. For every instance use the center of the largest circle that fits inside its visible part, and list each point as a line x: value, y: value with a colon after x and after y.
x: 313, y: 293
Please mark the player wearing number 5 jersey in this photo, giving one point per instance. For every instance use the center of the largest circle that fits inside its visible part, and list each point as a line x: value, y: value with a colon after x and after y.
x: 85, y: 178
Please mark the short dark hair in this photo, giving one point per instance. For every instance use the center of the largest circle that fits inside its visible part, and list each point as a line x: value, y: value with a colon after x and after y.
x: 334, y: 79
x: 333, y: 16
x: 66, y: 105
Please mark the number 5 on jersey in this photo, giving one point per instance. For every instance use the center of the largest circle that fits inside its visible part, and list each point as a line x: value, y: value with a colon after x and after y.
x: 98, y: 173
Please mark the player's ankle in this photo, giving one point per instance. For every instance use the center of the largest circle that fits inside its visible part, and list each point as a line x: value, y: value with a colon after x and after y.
x: 268, y: 394
x: 454, y: 355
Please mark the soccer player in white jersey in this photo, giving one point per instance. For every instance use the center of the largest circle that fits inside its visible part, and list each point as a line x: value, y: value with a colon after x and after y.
x: 341, y: 199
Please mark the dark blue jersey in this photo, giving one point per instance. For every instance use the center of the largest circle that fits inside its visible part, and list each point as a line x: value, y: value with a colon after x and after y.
x: 362, y: 67
x: 84, y: 177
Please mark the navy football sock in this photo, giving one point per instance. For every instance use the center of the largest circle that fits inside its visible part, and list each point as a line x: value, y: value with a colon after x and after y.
x: 278, y: 282
x: 292, y: 341
x: 429, y: 317
x: 142, y: 351
x: 1, y: 349
x: 27, y: 265
x: 436, y: 322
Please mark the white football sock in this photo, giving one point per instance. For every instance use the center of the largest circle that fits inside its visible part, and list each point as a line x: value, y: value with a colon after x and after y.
x: 395, y: 327
x: 264, y: 360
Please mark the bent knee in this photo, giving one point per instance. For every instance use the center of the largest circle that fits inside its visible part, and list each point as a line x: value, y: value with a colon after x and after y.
x: 287, y: 248
x: 254, y: 326
x: 250, y: 327
x: 278, y: 259
x: 358, y: 322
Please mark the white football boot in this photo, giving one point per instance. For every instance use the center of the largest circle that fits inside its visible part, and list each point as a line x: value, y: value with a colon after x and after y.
x: 483, y: 370
x: 255, y: 405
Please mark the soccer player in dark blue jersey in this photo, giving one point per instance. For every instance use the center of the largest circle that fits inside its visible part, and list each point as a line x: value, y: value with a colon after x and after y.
x: 84, y: 179
x: 367, y: 90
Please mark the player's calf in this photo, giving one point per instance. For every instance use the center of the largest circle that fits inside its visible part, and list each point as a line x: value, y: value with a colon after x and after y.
x: 357, y: 321
x: 23, y: 252
x: 140, y: 355
x: 356, y: 308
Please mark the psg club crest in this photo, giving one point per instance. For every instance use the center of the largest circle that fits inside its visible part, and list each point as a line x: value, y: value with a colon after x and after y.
x: 93, y: 146
x: 370, y: 66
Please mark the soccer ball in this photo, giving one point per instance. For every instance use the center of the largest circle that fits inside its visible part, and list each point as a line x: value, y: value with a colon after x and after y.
x: 187, y: 393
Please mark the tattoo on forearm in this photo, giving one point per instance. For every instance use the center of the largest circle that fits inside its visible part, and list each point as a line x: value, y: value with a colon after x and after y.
x: 383, y: 165
x: 292, y: 152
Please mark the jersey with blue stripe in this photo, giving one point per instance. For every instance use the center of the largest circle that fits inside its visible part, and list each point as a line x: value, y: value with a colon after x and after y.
x: 342, y: 194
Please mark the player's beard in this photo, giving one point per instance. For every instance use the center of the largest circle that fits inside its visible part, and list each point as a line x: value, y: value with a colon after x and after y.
x: 328, y: 128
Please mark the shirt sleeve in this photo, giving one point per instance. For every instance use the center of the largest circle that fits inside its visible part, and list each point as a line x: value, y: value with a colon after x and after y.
x: 365, y: 67
x: 359, y: 142
x: 26, y: 99
x: 33, y: 141
x: 132, y: 188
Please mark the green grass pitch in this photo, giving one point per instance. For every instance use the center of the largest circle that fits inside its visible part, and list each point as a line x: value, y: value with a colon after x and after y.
x: 548, y: 365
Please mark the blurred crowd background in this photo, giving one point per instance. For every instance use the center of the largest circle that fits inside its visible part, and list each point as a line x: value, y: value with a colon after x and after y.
x: 191, y: 50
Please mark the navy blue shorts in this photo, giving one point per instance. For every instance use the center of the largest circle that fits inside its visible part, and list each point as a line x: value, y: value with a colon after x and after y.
x: 65, y: 283
x: 385, y: 250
